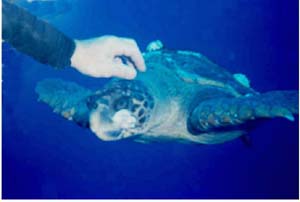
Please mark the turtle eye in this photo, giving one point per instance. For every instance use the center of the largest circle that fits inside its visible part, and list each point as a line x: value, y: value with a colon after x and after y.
x: 93, y: 101
x: 122, y: 103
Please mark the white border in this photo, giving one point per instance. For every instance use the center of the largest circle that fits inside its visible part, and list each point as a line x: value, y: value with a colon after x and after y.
x: 121, y: 200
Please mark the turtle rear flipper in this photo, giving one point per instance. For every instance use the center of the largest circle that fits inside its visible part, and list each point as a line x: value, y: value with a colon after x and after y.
x: 66, y: 98
x: 222, y: 113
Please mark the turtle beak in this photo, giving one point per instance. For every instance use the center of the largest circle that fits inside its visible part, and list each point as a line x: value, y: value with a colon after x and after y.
x: 101, y: 124
x: 110, y: 126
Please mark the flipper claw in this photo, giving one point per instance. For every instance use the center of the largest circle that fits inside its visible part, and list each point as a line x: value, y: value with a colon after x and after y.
x: 289, y: 117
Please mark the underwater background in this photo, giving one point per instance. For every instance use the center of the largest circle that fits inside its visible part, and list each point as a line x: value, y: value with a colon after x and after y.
x: 45, y: 156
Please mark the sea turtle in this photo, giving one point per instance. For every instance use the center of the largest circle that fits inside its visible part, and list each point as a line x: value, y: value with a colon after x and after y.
x: 182, y: 97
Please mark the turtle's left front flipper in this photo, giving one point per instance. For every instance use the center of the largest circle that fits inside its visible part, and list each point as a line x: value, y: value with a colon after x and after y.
x: 66, y: 98
x: 220, y: 113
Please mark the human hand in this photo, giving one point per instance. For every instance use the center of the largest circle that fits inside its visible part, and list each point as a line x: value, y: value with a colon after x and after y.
x: 101, y: 57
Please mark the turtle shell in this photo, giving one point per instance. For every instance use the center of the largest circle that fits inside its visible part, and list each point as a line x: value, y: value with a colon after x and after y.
x: 192, y: 67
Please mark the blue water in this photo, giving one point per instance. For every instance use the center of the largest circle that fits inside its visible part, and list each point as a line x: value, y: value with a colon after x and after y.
x: 45, y: 156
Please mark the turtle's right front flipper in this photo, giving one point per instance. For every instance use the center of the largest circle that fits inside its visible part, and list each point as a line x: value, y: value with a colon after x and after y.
x: 220, y: 113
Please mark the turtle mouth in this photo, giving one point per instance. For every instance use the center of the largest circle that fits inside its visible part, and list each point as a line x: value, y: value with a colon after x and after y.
x: 112, y: 126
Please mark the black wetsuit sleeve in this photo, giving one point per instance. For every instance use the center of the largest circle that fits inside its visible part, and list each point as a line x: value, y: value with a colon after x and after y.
x: 35, y: 37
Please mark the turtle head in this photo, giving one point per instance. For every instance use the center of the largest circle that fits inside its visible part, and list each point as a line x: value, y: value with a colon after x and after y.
x: 119, y: 111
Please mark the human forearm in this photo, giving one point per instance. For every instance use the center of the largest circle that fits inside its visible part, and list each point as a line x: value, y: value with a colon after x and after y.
x: 35, y: 37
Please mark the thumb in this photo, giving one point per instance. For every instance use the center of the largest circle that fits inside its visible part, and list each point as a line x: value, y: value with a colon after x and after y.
x: 124, y: 71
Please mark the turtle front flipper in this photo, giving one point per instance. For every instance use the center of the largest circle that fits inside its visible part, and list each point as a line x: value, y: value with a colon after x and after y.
x: 66, y: 98
x: 222, y: 113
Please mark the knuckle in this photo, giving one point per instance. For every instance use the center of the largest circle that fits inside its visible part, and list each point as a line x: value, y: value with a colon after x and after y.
x: 112, y: 40
x: 131, y: 42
